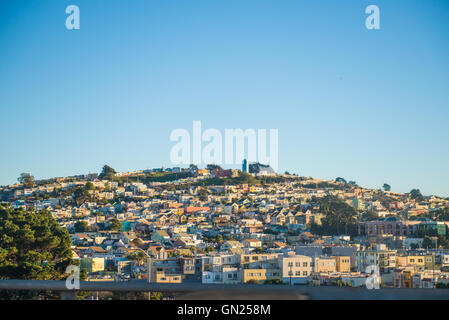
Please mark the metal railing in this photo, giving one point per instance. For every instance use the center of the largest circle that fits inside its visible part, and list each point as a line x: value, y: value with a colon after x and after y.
x: 198, y: 291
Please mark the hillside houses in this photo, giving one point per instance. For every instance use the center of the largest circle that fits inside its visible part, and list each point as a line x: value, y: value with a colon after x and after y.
x: 190, y: 229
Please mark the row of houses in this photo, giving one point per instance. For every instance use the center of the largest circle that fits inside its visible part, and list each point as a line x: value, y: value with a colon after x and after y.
x: 189, y: 230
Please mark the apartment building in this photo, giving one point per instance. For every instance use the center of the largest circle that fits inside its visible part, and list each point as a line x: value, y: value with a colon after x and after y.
x: 379, y: 255
x: 164, y: 270
x: 221, y: 269
x: 403, y: 277
x: 324, y: 265
x: 259, y: 261
x: 419, y: 262
x: 442, y: 259
x: 342, y: 263
x: 260, y: 267
x: 425, y: 279
x: 398, y: 227
x: 295, y: 269
x: 191, y: 267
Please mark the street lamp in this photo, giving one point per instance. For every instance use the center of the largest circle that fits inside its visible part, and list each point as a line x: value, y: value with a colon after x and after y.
x: 290, y: 272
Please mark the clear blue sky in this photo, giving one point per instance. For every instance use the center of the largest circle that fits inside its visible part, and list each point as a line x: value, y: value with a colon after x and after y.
x: 370, y: 106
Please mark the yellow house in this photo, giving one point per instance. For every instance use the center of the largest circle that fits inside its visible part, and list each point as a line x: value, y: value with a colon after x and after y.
x: 259, y: 261
x: 97, y: 264
x: 260, y: 275
x: 343, y: 263
x: 296, y: 268
x: 401, y: 261
x: 254, y: 274
x: 407, y: 278
x: 403, y: 277
x: 418, y: 262
x: 325, y: 265
x: 252, y: 189
x: 162, y: 277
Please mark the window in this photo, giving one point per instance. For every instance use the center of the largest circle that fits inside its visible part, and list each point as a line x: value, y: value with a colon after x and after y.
x: 229, y: 275
x: 304, y: 264
x: 304, y: 273
x: 290, y: 264
x: 298, y: 264
x: 298, y: 273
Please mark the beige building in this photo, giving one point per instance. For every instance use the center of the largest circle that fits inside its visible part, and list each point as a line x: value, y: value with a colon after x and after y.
x: 259, y: 261
x: 419, y: 262
x: 343, y: 263
x: 97, y: 264
x: 162, y: 277
x: 252, y: 243
x: 260, y: 267
x: 325, y: 265
x: 260, y: 275
x: 164, y: 271
x: 295, y: 268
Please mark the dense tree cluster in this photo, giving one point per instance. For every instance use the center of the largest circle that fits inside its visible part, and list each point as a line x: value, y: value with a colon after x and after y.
x: 212, y: 167
x: 26, y: 179
x: 115, y: 224
x: 340, y: 218
x: 416, y: 194
x: 32, y: 245
x: 107, y: 173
